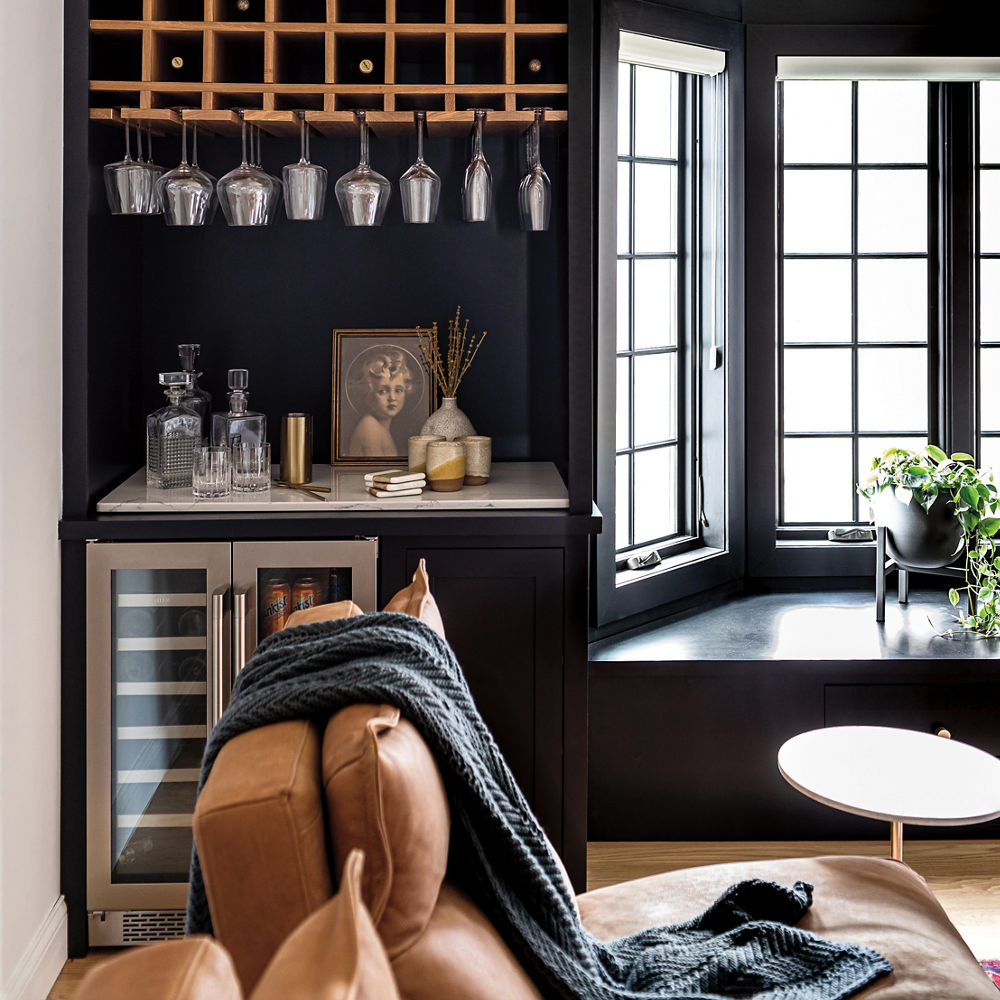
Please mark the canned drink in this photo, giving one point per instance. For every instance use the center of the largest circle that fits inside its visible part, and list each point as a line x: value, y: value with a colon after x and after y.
x: 305, y: 593
x: 275, y: 606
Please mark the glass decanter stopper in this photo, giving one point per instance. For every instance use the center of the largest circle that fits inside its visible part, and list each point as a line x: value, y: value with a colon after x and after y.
x: 172, y: 433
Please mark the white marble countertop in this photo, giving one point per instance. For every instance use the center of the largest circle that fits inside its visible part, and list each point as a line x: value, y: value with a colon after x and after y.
x: 512, y: 486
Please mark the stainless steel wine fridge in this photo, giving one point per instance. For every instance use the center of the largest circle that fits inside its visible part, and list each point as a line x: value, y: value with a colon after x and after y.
x: 169, y: 625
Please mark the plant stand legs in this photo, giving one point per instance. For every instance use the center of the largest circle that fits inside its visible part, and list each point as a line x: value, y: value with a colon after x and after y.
x: 904, y: 586
x: 880, y: 573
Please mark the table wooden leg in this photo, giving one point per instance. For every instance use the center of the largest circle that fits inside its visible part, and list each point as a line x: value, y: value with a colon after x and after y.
x: 896, y: 840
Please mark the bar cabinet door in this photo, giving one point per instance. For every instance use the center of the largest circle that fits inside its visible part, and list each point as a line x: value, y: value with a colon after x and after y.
x: 273, y: 579
x: 158, y: 674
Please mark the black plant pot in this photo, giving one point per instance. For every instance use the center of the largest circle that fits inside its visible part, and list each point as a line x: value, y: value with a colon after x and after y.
x: 919, y: 539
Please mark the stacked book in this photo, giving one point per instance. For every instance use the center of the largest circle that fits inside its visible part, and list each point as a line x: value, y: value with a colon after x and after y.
x: 395, y: 483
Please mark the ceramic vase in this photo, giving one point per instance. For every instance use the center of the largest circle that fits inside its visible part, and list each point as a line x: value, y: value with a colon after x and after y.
x: 448, y: 420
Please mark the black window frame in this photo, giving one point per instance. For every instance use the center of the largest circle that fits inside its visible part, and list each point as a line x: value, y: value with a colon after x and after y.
x: 700, y: 557
x: 772, y: 554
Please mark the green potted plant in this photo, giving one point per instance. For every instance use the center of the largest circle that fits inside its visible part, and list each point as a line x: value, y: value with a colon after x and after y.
x: 934, y: 505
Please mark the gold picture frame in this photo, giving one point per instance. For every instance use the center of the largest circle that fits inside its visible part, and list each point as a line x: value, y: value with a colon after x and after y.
x: 382, y: 394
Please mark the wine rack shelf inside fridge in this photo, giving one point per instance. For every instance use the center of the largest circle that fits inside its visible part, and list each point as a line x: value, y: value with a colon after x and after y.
x: 168, y: 627
x: 383, y: 55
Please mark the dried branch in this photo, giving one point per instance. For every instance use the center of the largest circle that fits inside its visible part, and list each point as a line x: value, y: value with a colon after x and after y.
x: 447, y: 372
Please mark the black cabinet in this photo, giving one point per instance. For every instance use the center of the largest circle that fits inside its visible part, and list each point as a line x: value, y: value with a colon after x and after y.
x: 505, y: 606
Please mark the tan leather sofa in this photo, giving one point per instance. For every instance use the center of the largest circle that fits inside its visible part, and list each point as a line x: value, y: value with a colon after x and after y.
x: 287, y: 805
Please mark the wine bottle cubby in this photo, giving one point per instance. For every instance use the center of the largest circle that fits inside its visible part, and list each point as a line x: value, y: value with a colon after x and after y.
x: 153, y: 61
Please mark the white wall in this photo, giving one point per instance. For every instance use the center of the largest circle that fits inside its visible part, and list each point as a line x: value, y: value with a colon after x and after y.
x: 32, y: 914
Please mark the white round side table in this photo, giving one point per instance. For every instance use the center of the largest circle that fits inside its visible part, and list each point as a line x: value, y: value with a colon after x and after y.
x: 897, y: 775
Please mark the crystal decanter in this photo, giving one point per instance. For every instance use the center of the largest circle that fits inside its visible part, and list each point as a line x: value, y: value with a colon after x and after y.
x: 196, y: 397
x: 172, y: 433
x: 239, y: 425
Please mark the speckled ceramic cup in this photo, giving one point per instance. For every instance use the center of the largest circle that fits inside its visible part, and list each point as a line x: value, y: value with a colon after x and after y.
x: 445, y: 465
x: 478, y: 450
x: 417, y: 450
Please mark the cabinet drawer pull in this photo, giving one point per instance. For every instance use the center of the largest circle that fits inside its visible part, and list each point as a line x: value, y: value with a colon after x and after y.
x: 942, y: 731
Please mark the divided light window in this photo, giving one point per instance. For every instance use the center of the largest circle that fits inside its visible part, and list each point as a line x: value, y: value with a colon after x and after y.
x: 989, y: 274
x: 855, y: 211
x: 651, y: 467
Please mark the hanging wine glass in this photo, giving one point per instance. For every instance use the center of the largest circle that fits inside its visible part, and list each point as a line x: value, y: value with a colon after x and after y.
x: 245, y: 192
x: 420, y: 187
x: 477, y: 187
x: 205, y: 176
x: 534, y: 197
x: 363, y: 194
x: 154, y: 206
x: 304, y: 183
x: 185, y: 194
x: 127, y: 183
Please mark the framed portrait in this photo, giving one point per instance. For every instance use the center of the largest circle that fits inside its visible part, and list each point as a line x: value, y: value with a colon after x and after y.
x: 381, y: 395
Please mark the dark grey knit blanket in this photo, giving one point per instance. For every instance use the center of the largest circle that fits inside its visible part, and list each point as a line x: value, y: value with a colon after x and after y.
x: 742, y: 946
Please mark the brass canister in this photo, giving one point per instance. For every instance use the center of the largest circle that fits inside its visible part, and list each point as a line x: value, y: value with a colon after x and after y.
x: 296, y: 448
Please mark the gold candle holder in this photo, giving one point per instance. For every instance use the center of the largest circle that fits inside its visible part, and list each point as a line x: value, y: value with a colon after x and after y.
x: 296, y: 448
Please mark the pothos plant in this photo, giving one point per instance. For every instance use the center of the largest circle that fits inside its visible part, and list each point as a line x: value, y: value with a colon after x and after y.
x: 933, y: 477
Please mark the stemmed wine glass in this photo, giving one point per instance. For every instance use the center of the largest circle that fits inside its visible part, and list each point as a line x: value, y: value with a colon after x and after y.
x: 186, y: 193
x: 534, y: 197
x: 128, y: 183
x: 477, y: 186
x: 420, y: 187
x: 246, y: 192
x: 304, y: 183
x: 204, y: 174
x: 274, y: 200
x: 363, y: 194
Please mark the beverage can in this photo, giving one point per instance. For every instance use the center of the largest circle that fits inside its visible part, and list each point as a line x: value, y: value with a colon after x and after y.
x: 305, y: 593
x: 275, y: 606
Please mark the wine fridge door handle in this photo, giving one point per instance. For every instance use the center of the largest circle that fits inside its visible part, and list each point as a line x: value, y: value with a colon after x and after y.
x: 218, y: 677
x: 239, y: 631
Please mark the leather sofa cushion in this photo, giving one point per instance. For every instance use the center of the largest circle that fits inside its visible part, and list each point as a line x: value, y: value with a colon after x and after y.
x: 384, y: 795
x: 334, y: 954
x: 868, y: 901
x: 460, y: 956
x: 259, y: 827
x: 416, y: 599
x: 194, y: 968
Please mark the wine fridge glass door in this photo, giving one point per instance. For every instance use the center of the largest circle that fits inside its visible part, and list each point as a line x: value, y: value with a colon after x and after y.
x: 157, y: 678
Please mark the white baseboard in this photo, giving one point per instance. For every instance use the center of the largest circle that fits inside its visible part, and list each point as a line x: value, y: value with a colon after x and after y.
x: 43, y: 959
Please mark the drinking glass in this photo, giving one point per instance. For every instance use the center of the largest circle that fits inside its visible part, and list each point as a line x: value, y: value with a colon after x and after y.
x: 186, y: 193
x: 362, y: 193
x: 246, y: 192
x: 420, y: 187
x: 534, y: 197
x: 128, y: 183
x: 477, y: 187
x: 304, y: 183
x: 204, y: 175
x: 210, y: 475
x: 274, y: 200
x: 251, y: 467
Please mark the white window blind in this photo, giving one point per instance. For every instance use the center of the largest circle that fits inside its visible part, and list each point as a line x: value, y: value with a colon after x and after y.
x: 940, y: 69
x: 663, y: 53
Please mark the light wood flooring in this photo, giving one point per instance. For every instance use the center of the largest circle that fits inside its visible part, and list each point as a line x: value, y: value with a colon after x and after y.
x: 963, y: 874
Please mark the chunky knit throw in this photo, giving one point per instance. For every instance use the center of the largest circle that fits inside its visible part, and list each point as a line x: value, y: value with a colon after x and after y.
x: 742, y: 946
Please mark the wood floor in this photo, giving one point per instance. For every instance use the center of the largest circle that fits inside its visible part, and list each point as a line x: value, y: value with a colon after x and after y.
x: 963, y: 874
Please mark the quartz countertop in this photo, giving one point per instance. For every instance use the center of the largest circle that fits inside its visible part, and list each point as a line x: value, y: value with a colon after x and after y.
x: 512, y: 486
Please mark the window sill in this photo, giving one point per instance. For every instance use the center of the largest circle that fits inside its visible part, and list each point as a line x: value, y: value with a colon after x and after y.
x: 691, y: 557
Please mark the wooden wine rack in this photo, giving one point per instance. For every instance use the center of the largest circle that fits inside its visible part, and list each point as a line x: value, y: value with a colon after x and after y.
x: 156, y: 61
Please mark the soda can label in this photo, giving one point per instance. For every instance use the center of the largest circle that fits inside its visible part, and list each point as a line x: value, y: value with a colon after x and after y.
x: 275, y: 607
